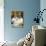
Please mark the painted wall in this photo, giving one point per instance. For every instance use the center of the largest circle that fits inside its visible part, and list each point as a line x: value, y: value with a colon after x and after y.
x: 1, y: 20
x: 43, y: 6
x: 30, y: 7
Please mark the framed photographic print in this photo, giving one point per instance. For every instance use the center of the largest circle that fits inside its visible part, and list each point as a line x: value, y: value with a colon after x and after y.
x: 17, y: 19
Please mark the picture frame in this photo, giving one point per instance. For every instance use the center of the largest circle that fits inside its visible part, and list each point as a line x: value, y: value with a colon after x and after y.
x: 17, y: 18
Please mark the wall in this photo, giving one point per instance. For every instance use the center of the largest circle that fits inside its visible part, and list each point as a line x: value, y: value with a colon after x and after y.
x: 1, y: 20
x: 30, y: 7
x: 43, y: 6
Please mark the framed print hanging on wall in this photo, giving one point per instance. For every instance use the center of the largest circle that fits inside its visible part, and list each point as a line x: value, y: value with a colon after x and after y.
x: 17, y: 18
